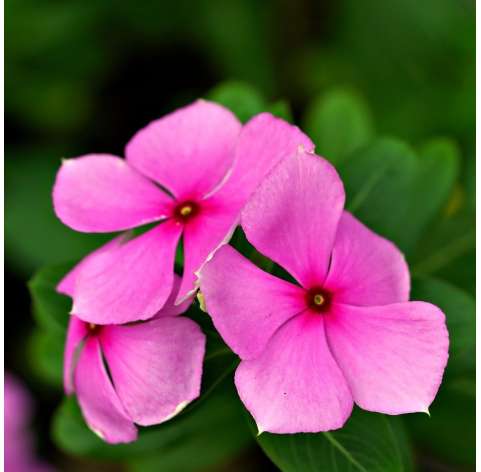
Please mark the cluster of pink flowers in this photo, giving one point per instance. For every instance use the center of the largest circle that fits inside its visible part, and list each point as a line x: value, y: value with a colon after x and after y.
x: 344, y: 333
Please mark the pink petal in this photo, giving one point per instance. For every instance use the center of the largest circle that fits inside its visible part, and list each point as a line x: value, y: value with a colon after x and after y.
x: 202, y: 237
x: 67, y: 285
x: 101, y: 193
x: 17, y: 404
x: 392, y: 356
x: 295, y: 385
x: 292, y: 218
x: 263, y: 142
x: 156, y: 366
x: 246, y: 304
x: 188, y: 151
x: 18, y: 452
x: 100, y: 405
x: 170, y: 308
x: 130, y: 282
x: 76, y: 333
x: 366, y: 269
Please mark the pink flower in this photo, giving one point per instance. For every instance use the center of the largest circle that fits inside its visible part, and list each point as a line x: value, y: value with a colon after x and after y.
x: 143, y: 373
x: 192, y: 171
x: 345, y: 333
x: 19, y: 449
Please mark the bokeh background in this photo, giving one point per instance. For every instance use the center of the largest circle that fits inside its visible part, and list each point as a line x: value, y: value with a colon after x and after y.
x: 84, y: 76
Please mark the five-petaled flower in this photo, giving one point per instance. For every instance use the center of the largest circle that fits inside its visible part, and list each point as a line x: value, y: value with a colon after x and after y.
x: 192, y: 171
x: 143, y: 373
x: 344, y: 333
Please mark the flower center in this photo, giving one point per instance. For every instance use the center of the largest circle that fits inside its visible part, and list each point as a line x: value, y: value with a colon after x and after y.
x: 94, y: 328
x: 318, y: 299
x: 186, y: 210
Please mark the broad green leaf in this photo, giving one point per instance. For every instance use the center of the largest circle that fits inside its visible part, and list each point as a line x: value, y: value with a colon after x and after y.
x: 447, y: 250
x: 378, y: 180
x: 394, y: 191
x: 220, y: 437
x: 215, y: 427
x: 45, y: 353
x: 242, y: 99
x: 338, y: 122
x: 449, y: 433
x: 369, y: 442
x: 459, y: 308
x: 50, y: 308
x: 435, y: 179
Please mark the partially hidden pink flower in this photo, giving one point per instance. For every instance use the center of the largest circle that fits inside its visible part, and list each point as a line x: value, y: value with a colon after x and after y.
x: 344, y: 332
x: 139, y: 373
x: 19, y: 453
x: 192, y: 172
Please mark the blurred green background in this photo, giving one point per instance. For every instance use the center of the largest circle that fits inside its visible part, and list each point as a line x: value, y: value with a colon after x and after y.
x: 84, y: 76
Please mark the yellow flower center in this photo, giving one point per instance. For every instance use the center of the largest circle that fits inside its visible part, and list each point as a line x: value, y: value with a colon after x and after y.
x: 185, y: 210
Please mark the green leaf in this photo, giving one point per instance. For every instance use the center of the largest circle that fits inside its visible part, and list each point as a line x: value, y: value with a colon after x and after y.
x: 369, y: 442
x: 338, y: 122
x: 447, y: 251
x: 45, y: 352
x: 459, y: 308
x: 449, y: 433
x: 378, y: 180
x: 51, y: 309
x: 395, y: 192
x: 242, y: 99
x: 434, y: 182
x: 196, y: 439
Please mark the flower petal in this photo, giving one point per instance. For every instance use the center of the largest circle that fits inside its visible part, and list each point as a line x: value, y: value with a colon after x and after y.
x: 76, y: 333
x: 366, y: 269
x: 156, y: 366
x: 101, y: 193
x: 295, y: 386
x: 247, y: 305
x: 100, y: 405
x: 392, y: 356
x: 67, y: 285
x: 170, y: 308
x: 188, y: 151
x: 202, y: 237
x: 130, y: 282
x: 292, y: 218
x: 263, y: 142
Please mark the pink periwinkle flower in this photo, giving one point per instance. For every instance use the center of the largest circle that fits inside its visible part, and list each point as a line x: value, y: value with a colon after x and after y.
x: 344, y: 333
x: 139, y: 373
x: 192, y: 171
x: 18, y: 439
